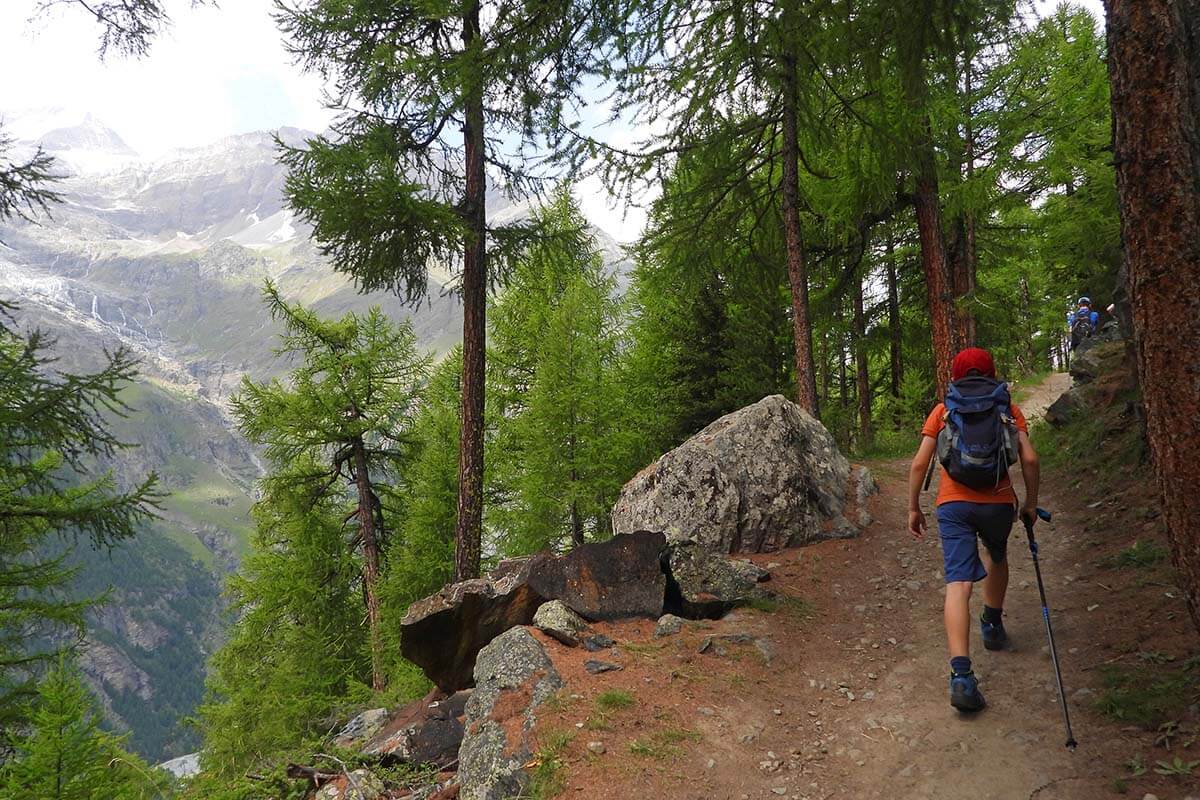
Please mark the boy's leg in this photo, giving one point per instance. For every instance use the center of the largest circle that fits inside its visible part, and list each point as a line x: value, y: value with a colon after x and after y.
x: 995, y: 585
x: 960, y: 553
x: 957, y: 614
x: 995, y: 524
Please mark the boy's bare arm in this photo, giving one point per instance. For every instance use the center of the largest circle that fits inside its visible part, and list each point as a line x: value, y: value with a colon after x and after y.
x: 1031, y: 471
x: 916, y: 476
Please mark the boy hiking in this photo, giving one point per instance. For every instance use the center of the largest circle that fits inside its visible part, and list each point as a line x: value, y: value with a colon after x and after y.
x: 977, y: 434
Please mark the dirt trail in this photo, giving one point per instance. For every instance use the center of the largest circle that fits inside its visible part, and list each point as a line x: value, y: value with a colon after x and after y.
x: 849, y: 699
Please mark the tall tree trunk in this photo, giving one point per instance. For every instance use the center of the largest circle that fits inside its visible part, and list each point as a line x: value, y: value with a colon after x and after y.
x: 863, y: 377
x: 963, y: 264
x: 895, y: 332
x: 839, y: 317
x: 934, y: 263
x: 806, y: 379
x: 469, y: 524
x: 369, y: 533
x: 1027, y: 327
x: 1154, y: 68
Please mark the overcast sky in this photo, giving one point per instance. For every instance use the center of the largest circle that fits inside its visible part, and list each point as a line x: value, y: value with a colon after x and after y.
x: 217, y: 71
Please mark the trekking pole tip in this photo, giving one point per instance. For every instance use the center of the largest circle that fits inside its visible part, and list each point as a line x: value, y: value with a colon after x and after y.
x: 1072, y: 744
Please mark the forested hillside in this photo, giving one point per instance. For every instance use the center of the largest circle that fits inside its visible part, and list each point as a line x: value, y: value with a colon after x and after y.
x: 415, y: 360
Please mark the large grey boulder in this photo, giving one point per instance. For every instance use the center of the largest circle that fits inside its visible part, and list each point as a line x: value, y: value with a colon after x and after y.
x: 762, y: 478
x: 513, y: 678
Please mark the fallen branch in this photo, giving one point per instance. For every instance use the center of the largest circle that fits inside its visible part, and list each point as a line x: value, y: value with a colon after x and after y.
x: 317, y: 777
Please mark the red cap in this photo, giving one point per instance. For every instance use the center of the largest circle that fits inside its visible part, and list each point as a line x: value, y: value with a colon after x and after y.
x: 973, y: 358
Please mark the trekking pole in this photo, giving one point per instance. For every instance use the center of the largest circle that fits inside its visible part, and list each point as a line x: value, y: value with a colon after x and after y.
x: 1062, y: 695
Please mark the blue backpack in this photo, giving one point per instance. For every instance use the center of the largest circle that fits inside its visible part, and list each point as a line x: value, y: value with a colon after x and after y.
x: 979, y: 442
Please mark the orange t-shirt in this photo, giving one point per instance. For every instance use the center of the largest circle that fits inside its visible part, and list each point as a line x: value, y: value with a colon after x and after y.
x: 950, y: 490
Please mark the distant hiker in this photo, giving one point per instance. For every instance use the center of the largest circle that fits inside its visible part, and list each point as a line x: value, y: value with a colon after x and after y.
x: 1082, y: 322
x: 977, y: 434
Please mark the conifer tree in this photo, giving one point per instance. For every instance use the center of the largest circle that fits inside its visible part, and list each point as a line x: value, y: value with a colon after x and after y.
x: 61, y: 753
x: 555, y: 346
x: 346, y: 413
x: 297, y: 647
x: 395, y: 188
x: 53, y: 428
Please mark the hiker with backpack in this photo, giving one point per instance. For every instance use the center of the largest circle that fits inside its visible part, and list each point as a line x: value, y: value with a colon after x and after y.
x: 976, y: 434
x: 1082, y: 322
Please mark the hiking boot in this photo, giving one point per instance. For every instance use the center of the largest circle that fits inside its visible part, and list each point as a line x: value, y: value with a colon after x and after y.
x: 964, y: 692
x: 994, y: 635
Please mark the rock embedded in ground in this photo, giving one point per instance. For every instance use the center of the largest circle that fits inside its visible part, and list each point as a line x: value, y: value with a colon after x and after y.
x: 596, y: 667
x: 763, y: 478
x: 557, y: 620
x: 513, y: 678
x: 668, y: 625
x: 597, y: 642
x: 427, y: 731
x: 357, y: 785
x: 703, y: 585
x: 361, y: 728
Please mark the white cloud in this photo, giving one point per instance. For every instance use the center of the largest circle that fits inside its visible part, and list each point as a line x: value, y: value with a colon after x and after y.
x: 215, y: 72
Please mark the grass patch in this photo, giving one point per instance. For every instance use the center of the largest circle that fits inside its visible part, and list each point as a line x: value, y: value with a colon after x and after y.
x: 614, y: 700
x: 1140, y: 555
x: 1146, y: 698
x: 663, y: 744
x: 549, y: 776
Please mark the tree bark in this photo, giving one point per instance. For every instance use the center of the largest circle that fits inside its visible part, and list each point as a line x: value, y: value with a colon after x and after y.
x: 469, y: 523
x: 934, y: 263
x: 963, y: 266
x: 1154, y: 68
x: 369, y: 533
x: 894, y: 330
x: 863, y: 377
x: 806, y: 379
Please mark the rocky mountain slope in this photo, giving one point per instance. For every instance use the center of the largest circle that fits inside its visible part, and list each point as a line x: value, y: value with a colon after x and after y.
x: 167, y: 257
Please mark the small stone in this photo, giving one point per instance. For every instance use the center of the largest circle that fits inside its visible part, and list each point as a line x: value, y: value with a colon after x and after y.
x: 891, y: 641
x: 872, y: 675
x: 556, y: 619
x: 668, y: 625
x: 705, y: 711
x: 1148, y: 796
x: 596, y: 667
x: 710, y: 763
x: 778, y: 712
x: 596, y: 747
x: 597, y: 642
x: 779, y: 790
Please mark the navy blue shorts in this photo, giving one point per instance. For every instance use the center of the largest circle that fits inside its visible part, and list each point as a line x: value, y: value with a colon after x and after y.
x: 959, y: 523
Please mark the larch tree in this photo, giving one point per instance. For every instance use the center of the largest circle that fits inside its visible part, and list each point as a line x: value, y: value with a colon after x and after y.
x: 436, y: 101
x: 555, y: 334
x: 741, y: 79
x: 347, y: 411
x: 1154, y: 65
x: 62, y: 753
x: 54, y: 427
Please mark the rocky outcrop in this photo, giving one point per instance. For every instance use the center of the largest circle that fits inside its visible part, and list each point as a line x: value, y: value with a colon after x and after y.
x: 762, y: 478
x: 1094, y: 358
x: 443, y: 633
x: 703, y: 585
x: 616, y: 579
x: 361, y: 728
x: 513, y: 678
